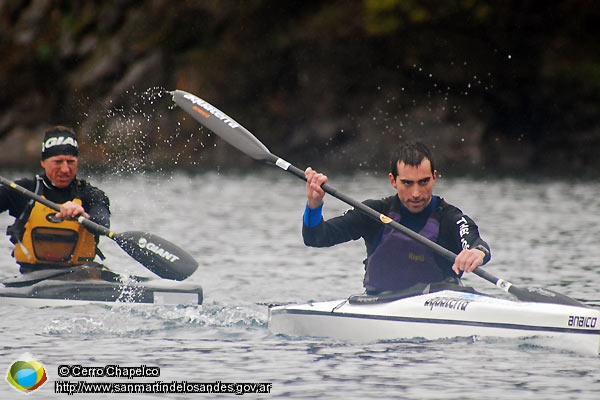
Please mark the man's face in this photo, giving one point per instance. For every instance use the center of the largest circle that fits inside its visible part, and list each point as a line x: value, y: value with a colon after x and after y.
x: 60, y: 170
x: 414, y: 185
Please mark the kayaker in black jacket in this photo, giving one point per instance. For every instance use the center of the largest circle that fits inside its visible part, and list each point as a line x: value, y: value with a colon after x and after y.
x: 394, y: 261
x: 42, y: 237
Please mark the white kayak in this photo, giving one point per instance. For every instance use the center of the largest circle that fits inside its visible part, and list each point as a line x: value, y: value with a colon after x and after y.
x: 86, y: 285
x: 437, y: 315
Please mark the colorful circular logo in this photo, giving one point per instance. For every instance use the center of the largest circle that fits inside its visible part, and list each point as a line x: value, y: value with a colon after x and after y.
x: 26, y: 374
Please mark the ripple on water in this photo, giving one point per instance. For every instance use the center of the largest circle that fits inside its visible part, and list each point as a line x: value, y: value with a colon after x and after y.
x: 244, y: 229
x: 132, y: 320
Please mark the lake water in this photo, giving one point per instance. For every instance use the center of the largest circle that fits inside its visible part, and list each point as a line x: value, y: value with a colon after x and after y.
x: 244, y: 229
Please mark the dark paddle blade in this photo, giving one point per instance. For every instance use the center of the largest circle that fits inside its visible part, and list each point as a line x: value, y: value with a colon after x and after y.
x: 177, y: 265
x: 228, y: 129
x: 543, y: 295
x: 530, y: 293
x: 158, y: 255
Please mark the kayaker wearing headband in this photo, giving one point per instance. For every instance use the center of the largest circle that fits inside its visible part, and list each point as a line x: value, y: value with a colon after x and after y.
x: 394, y: 261
x: 44, y: 238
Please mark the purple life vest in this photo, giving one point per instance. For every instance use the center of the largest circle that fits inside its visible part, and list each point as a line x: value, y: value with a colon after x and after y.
x: 399, y: 262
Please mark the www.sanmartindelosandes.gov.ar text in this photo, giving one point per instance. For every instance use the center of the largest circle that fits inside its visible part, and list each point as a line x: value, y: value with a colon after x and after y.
x: 180, y: 387
x: 142, y: 371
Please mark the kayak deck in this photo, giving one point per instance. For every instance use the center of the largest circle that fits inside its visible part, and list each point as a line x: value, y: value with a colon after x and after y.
x: 438, y: 315
x: 84, y: 285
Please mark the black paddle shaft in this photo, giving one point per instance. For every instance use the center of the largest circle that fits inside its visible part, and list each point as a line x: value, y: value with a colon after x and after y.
x: 378, y: 216
x: 156, y: 254
x: 239, y: 137
x: 90, y: 225
x: 532, y: 294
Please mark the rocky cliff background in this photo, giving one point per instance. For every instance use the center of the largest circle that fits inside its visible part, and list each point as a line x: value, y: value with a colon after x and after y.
x: 494, y: 87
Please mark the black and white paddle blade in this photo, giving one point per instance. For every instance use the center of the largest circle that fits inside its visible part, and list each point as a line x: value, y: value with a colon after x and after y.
x: 543, y: 295
x: 222, y: 125
x: 160, y: 256
x: 530, y: 293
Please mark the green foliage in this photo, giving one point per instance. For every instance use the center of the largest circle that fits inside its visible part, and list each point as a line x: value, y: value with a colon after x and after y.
x: 381, y: 16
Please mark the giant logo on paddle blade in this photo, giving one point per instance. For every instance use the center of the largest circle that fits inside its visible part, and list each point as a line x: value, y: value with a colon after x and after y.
x: 164, y: 258
x: 143, y: 243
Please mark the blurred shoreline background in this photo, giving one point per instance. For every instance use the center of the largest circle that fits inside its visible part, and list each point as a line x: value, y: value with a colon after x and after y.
x: 494, y: 87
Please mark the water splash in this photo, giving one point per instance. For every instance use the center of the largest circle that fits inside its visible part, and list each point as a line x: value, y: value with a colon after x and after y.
x: 138, y: 133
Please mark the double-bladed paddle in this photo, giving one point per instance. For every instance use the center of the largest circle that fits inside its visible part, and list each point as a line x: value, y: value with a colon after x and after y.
x: 156, y: 254
x: 235, y: 134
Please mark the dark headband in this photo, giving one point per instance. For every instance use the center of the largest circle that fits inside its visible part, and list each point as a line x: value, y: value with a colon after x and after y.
x: 59, y: 141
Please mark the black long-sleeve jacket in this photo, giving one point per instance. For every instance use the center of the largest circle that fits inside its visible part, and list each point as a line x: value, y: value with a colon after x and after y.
x: 94, y: 201
x: 456, y: 231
